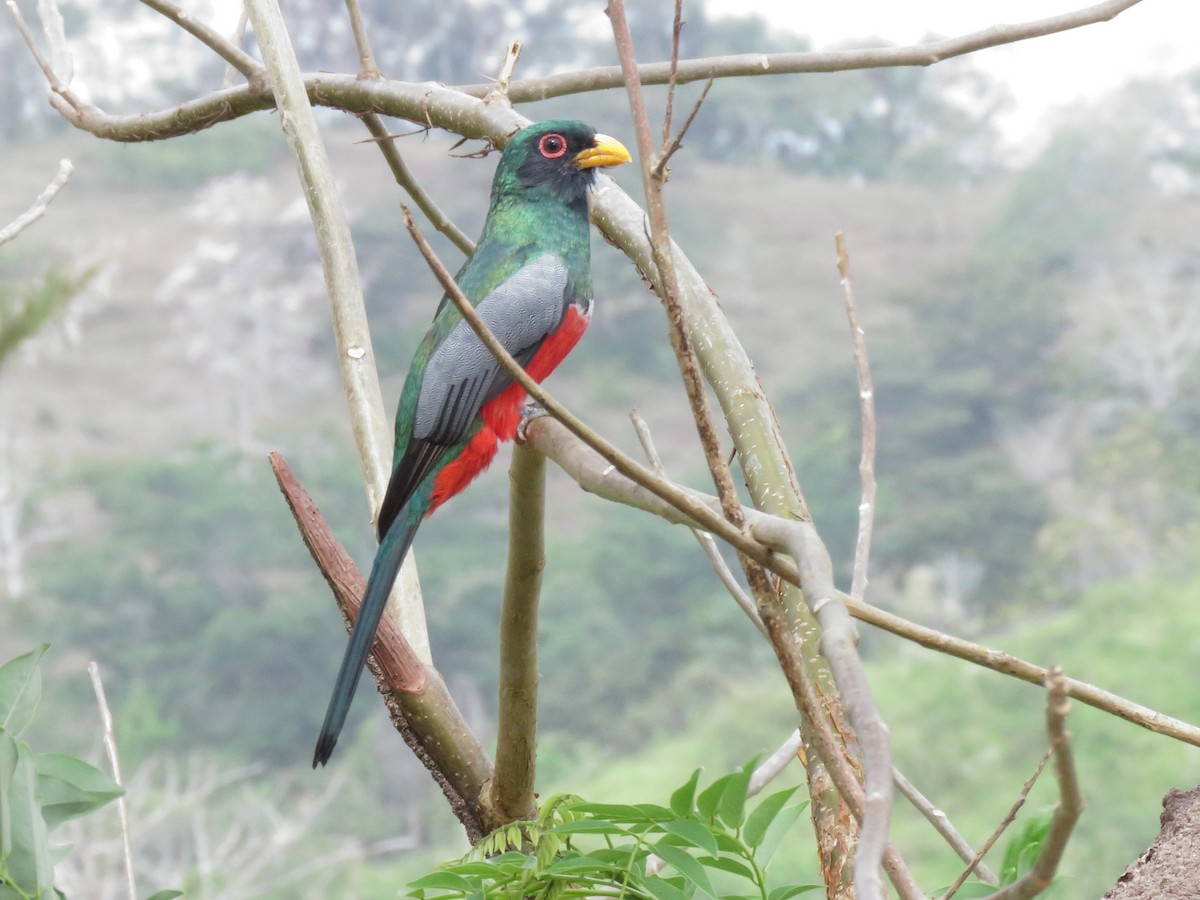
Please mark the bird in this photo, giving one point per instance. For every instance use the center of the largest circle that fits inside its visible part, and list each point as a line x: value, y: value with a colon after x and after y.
x: 529, y: 279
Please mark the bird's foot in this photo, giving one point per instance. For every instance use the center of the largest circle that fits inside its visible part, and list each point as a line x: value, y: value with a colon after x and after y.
x: 530, y: 411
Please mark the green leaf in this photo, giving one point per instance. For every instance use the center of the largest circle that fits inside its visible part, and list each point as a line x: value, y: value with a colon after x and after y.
x: 589, y: 826
x: 443, y: 881
x: 692, y: 832
x: 732, y: 809
x: 709, y: 799
x: 20, y: 690
x: 683, y: 800
x: 687, y: 866
x: 614, y: 812
x: 787, y: 891
x: 663, y: 889
x: 166, y: 895
x: 728, y: 864
x: 24, y: 851
x: 776, y: 832
x: 69, y: 787
x: 578, y: 865
x: 764, y: 814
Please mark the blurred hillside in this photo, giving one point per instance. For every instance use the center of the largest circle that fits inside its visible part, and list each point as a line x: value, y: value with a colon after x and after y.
x: 1034, y: 335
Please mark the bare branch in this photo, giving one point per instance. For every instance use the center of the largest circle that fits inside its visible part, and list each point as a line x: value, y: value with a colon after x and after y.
x: 499, y: 91
x: 866, y: 400
x: 1009, y: 818
x: 114, y: 762
x: 676, y: 32
x: 367, y: 68
x: 38, y: 209
x: 755, y: 64
x: 744, y: 601
x: 405, y: 178
x: 1070, y: 799
x: 214, y: 40
x: 773, y: 765
x: 418, y: 702
x: 595, y: 474
x: 943, y: 826
x: 672, y: 147
x: 510, y: 796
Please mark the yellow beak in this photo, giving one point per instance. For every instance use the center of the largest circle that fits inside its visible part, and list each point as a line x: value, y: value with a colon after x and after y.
x: 605, y: 151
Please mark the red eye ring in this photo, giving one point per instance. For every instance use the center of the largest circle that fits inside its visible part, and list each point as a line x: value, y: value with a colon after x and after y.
x: 552, y: 146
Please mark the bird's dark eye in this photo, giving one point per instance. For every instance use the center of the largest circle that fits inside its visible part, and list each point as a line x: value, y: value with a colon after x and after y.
x: 552, y: 146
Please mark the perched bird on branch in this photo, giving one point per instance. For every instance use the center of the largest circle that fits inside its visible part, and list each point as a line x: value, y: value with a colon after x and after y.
x: 530, y: 281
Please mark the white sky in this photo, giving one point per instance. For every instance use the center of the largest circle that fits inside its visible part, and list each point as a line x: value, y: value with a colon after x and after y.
x: 1152, y: 37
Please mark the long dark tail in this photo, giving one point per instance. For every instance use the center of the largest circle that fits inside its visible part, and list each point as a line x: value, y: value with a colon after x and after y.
x: 392, y: 550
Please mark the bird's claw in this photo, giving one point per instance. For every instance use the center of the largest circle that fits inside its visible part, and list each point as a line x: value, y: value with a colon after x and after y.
x: 530, y: 411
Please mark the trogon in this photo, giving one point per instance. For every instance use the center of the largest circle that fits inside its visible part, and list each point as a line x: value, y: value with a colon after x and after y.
x: 529, y: 278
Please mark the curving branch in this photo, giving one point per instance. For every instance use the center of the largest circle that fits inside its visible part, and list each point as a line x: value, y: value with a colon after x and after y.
x: 40, y: 205
x: 1070, y: 799
x: 758, y: 64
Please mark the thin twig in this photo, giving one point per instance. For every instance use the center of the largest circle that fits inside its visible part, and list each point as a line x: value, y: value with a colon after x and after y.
x: 250, y: 67
x: 671, y: 148
x: 771, y: 767
x: 510, y: 795
x: 38, y: 209
x: 239, y: 38
x: 744, y: 601
x: 114, y: 762
x: 676, y: 32
x: 943, y: 826
x: 1070, y: 798
x: 667, y: 286
x: 367, y: 67
x: 597, y: 474
x: 407, y: 180
x: 1009, y: 818
x: 866, y: 400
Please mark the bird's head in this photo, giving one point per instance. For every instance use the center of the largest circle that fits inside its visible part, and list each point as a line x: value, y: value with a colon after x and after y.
x: 559, y: 156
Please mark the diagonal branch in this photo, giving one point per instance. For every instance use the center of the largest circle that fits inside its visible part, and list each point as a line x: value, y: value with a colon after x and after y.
x: 407, y: 180
x: 40, y: 205
x: 250, y: 67
x: 596, y: 475
x: 417, y: 699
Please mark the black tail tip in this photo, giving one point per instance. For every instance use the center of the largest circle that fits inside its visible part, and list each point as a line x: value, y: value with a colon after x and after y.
x: 325, y: 745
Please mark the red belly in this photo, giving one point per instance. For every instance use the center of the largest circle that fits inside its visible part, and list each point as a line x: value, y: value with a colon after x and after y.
x: 502, y: 415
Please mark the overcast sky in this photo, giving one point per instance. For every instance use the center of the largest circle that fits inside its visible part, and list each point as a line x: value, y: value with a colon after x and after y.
x: 1153, y: 37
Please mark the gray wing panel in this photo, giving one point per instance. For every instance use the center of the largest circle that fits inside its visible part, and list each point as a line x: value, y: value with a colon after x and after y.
x: 463, y: 375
